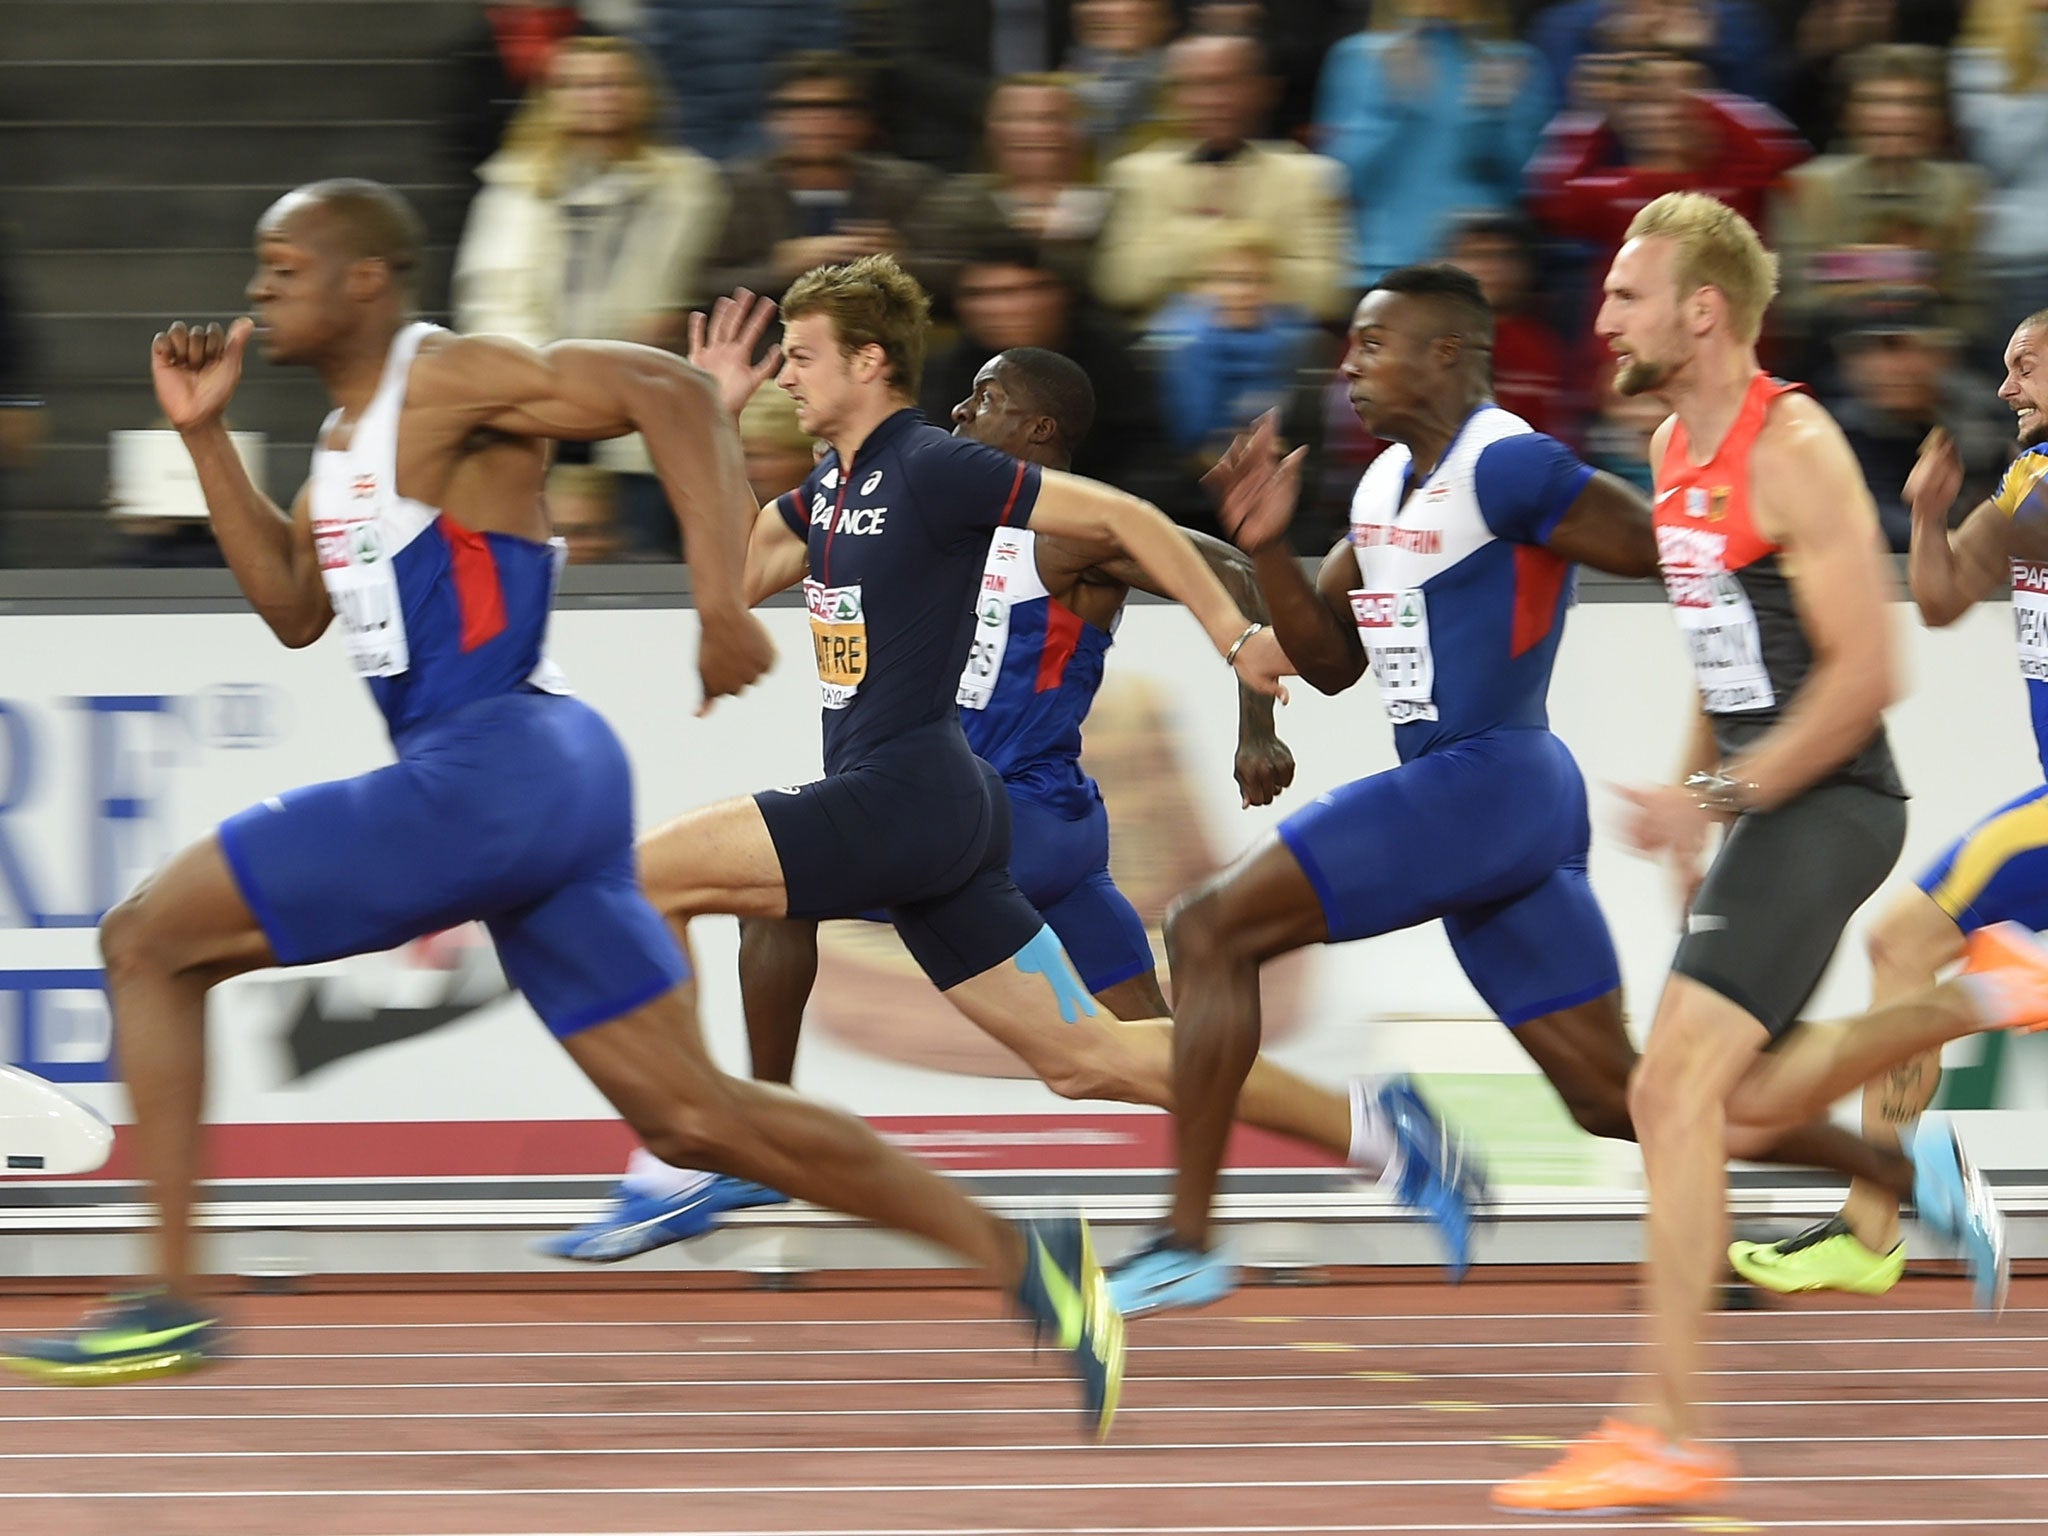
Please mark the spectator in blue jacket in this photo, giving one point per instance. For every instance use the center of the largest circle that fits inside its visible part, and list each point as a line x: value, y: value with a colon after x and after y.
x: 1226, y: 351
x: 718, y: 58
x: 1429, y: 120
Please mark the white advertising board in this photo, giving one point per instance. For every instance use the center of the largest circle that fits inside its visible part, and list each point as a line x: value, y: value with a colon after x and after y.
x: 122, y: 737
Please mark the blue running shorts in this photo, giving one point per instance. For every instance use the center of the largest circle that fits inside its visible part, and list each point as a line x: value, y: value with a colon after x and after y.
x: 515, y: 810
x: 1998, y: 870
x: 1489, y: 834
x: 1062, y: 867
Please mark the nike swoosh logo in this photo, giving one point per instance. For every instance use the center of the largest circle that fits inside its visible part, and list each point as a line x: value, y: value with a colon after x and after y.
x: 1704, y: 922
x: 1066, y: 1300
x: 127, y: 1342
x: 1664, y: 496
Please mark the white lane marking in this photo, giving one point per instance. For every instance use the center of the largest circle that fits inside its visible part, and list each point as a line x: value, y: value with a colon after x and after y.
x: 784, y: 1489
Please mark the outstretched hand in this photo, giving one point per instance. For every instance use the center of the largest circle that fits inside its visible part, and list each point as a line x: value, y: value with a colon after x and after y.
x: 1254, y: 487
x: 724, y: 344
x: 195, y: 369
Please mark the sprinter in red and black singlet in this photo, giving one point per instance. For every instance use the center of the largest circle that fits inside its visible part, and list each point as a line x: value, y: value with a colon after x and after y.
x: 1757, y: 933
x: 1777, y: 573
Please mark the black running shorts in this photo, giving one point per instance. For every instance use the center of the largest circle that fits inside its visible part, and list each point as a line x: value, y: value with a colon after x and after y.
x: 920, y: 828
x: 1781, y: 890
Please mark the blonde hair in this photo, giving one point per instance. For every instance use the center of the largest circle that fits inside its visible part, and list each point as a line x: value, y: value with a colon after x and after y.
x: 870, y: 302
x: 539, y: 133
x: 2011, y: 29
x: 1717, y: 248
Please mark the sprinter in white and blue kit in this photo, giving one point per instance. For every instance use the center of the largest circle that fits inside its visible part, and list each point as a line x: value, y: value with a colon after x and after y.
x: 1452, y: 585
x: 424, y: 533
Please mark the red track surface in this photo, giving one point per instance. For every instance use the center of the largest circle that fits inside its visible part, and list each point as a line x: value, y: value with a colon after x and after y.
x: 1338, y: 1409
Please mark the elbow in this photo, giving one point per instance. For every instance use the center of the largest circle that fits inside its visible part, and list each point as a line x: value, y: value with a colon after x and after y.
x: 1330, y: 678
x: 297, y: 631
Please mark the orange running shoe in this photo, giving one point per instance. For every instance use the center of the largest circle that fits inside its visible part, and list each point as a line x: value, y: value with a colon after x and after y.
x: 1621, y: 1468
x: 2007, y: 967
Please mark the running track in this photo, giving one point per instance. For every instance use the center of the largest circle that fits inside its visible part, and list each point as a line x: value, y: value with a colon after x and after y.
x: 1353, y: 1408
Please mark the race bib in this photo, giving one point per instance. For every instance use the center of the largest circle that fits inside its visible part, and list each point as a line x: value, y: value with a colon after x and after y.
x: 2030, y: 616
x: 362, y: 587
x: 1721, y: 634
x: 991, y: 642
x: 839, y: 634
x: 1395, y: 627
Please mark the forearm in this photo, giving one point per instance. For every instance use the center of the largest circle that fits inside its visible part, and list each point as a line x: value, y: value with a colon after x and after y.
x: 1234, y: 570
x: 696, y: 453
x: 257, y: 539
x: 1839, y: 708
x: 1701, y: 754
x: 1942, y: 587
x: 1144, y: 533
x: 1327, y: 657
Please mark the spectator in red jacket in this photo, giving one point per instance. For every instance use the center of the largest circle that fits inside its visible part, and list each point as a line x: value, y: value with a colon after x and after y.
x: 1643, y: 125
x: 1528, y: 356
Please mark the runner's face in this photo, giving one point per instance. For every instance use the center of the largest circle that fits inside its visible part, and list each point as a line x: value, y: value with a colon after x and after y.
x: 1384, y: 363
x: 297, y: 296
x: 1639, y: 317
x: 2026, y: 383
x: 992, y: 414
x: 818, y: 374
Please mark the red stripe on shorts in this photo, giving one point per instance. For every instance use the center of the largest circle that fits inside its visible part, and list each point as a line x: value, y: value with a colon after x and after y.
x: 479, y: 596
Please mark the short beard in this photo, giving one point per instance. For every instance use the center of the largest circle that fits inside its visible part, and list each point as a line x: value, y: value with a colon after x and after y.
x: 1640, y: 377
x: 2038, y: 432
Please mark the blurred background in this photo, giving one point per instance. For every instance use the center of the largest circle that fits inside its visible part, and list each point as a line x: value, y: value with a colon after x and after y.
x: 1186, y: 198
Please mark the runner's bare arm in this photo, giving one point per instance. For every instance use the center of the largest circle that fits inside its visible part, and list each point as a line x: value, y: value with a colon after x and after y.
x: 582, y: 391
x: 776, y: 558
x: 1313, y: 622
x: 195, y: 369
x: 1608, y: 527
x: 1089, y: 513
x: 1817, y: 507
x: 1950, y: 572
x: 1264, y: 765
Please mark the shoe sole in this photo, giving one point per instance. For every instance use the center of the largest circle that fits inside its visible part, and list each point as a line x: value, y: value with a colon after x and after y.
x: 1162, y: 1299
x: 1763, y: 1279
x: 710, y: 1211
x: 108, y: 1372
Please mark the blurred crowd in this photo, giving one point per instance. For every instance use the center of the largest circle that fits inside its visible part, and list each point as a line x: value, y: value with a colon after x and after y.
x: 1188, y: 198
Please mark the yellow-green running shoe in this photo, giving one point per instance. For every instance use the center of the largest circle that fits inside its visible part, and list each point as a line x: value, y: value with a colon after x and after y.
x: 1823, y: 1258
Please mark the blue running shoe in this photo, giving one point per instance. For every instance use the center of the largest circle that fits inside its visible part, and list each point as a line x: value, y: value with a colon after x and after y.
x: 636, y: 1223
x: 1435, y: 1176
x: 1166, y: 1274
x: 1954, y: 1201
x: 132, y: 1339
x: 1066, y: 1295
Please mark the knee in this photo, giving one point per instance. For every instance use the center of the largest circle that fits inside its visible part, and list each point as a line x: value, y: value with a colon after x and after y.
x: 1603, y: 1111
x: 1197, y: 928
x: 1664, y: 1097
x: 130, y: 942
x: 1913, y: 940
x: 697, y: 1133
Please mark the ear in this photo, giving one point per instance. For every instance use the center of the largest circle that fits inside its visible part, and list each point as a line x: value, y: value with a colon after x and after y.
x: 1703, y: 307
x: 1043, y: 429
x: 870, y: 362
x: 367, y: 277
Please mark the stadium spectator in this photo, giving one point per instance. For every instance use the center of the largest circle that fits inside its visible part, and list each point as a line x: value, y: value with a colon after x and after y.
x: 1036, y: 184
x: 502, y: 57
x: 1528, y: 356
x: 587, y: 227
x: 1117, y: 61
x: 819, y: 195
x: 1226, y: 350
x: 1171, y: 196
x: 1889, y: 212
x: 1899, y: 381
x: 1730, y: 37
x: 2001, y: 101
x: 1009, y: 296
x: 718, y: 59
x: 1429, y: 119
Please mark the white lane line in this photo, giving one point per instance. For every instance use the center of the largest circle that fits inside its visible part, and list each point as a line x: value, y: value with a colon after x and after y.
x: 1025, y: 1351
x: 812, y: 1411
x: 1798, y: 1313
x: 1549, y: 1523
x: 1492, y: 1443
x: 841, y: 1490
